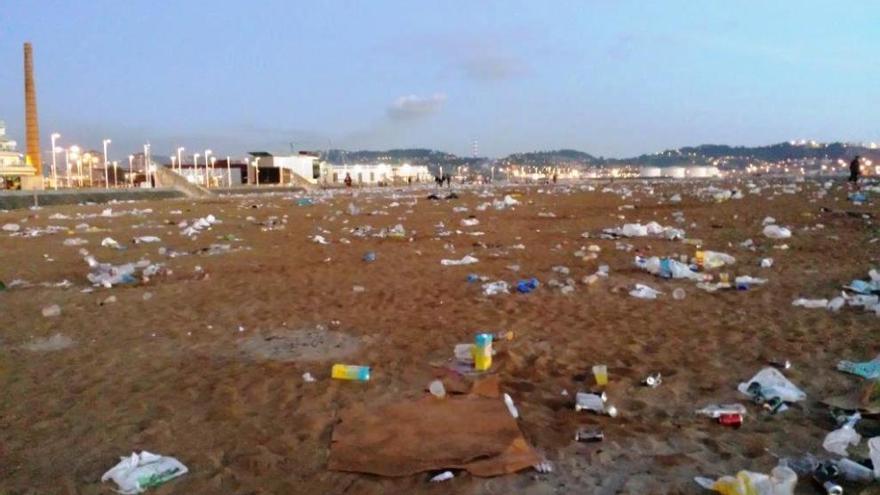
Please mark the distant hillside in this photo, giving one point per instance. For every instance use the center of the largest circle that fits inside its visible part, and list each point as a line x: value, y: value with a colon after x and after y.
x: 557, y: 157
x: 707, y: 154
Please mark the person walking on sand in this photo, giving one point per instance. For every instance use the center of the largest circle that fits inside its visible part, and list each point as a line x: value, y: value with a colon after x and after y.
x: 347, y: 180
x: 855, y: 170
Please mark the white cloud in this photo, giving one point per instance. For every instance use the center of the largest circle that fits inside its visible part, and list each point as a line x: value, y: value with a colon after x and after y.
x: 414, y: 107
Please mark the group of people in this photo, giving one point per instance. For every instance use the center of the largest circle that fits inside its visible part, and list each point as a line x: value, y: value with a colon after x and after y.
x: 440, y: 179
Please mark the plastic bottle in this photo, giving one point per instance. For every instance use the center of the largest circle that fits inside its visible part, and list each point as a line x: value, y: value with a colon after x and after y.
x: 483, y: 351
x: 350, y: 372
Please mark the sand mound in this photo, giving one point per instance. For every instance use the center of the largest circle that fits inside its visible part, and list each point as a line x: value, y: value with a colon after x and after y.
x: 309, y: 344
x: 48, y: 344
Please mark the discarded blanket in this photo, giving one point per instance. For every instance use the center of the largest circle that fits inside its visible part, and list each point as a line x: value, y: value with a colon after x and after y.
x: 474, y: 432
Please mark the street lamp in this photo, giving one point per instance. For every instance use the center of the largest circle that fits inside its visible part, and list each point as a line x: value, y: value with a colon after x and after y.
x: 106, y: 172
x: 130, y: 170
x: 54, y: 136
x: 173, y: 158
x: 147, y: 164
x: 213, y: 161
x: 115, y: 174
x: 196, y: 166
x: 67, y: 165
x: 179, y: 159
x: 207, y: 152
x: 228, y: 173
x: 74, y: 153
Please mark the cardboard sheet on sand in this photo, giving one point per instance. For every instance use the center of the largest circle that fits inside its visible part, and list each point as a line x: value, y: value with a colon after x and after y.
x: 866, y: 400
x: 474, y: 432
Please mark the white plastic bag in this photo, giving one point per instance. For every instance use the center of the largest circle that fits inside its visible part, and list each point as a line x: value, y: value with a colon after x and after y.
x: 137, y: 473
x: 467, y: 260
x: 874, y: 452
x: 777, y: 232
x: 841, y: 439
x: 634, y: 230
x: 774, y: 384
x: 495, y: 288
x: 644, y: 292
x: 714, y: 259
x: 810, y: 303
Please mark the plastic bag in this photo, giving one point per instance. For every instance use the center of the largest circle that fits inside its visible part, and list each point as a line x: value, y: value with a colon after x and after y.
x: 781, y: 481
x: 774, y: 384
x: 714, y: 259
x: 874, y: 452
x: 467, y: 260
x: 866, y: 369
x: 777, y: 232
x: 810, y: 303
x: 634, y: 230
x: 494, y: 288
x: 644, y: 292
x: 137, y: 473
x: 841, y: 439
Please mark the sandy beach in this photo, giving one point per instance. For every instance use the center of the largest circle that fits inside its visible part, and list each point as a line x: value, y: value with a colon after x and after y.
x: 204, y: 361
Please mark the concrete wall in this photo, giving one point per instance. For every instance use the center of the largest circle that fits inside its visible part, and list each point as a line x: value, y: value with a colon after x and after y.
x: 10, y: 200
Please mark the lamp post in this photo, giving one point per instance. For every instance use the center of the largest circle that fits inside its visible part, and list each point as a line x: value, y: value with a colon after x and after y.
x: 196, y: 166
x: 130, y: 170
x: 207, y: 153
x: 228, y: 173
x: 115, y: 174
x: 172, y: 162
x: 74, y: 153
x: 257, y: 169
x: 179, y: 159
x: 213, y: 161
x: 54, y: 136
x: 106, y: 172
x: 147, y: 164
x: 67, y: 165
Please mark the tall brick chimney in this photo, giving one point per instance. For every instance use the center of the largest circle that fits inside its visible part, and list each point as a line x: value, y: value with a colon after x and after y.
x: 32, y: 126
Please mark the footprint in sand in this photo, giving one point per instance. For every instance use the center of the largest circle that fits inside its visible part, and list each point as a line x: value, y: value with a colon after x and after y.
x: 56, y: 342
x: 311, y: 344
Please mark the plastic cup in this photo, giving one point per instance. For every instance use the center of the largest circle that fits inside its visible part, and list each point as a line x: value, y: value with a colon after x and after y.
x: 679, y: 294
x: 600, y: 372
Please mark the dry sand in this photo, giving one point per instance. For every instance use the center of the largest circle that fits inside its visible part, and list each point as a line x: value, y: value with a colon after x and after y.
x: 209, y: 368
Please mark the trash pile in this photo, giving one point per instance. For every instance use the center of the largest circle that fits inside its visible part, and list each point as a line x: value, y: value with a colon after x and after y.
x: 652, y: 229
x: 860, y: 293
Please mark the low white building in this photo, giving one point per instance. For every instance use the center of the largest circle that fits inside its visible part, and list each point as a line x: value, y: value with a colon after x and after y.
x: 12, y: 163
x: 278, y: 169
x: 675, y: 172
x: 373, y: 174
x: 651, y: 172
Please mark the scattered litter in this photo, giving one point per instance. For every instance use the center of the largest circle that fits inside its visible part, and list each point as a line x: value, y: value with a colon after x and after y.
x: 52, y: 310
x: 777, y: 232
x: 642, y: 291
x: 139, y: 472
x: 444, y: 476
x: 467, y: 260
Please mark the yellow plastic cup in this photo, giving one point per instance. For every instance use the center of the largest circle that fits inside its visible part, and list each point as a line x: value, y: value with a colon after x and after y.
x: 600, y: 372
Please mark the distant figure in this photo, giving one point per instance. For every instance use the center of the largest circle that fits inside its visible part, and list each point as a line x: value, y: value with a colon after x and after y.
x: 554, y: 178
x: 448, y: 180
x: 855, y: 169
x: 347, y: 180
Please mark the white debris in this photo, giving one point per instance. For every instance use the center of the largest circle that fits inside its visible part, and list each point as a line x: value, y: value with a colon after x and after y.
x: 137, y: 473
x: 52, y: 310
x: 308, y: 378
x: 146, y: 239
x: 444, y: 476
x: 495, y: 288
x: 75, y: 241
x: 11, y: 227
x: 642, y: 291
x: 467, y: 260
x: 777, y: 232
x: 469, y: 222
x: 810, y: 303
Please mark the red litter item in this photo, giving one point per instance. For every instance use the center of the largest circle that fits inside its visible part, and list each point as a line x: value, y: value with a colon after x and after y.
x: 734, y: 420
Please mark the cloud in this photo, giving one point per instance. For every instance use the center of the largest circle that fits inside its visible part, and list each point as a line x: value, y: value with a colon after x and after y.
x: 413, y: 107
x: 492, y: 66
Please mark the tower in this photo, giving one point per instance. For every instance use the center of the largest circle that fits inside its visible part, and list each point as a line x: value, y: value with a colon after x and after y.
x: 476, y: 149
x: 32, y: 127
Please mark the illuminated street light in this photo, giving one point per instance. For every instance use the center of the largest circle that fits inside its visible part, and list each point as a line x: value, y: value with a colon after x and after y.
x: 196, y: 166
x: 106, y: 172
x: 207, y: 153
x: 213, y: 161
x: 228, y: 173
x: 54, y: 136
x: 179, y: 159
x: 130, y: 170
x: 173, y: 158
